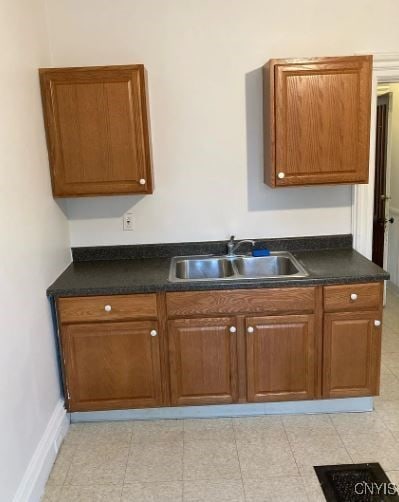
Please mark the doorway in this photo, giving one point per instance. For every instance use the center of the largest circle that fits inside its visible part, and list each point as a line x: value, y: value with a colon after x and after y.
x: 385, y: 248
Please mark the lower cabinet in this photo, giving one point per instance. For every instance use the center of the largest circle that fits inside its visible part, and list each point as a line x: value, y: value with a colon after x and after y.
x: 280, y: 358
x: 203, y: 361
x: 351, y: 354
x: 111, y: 365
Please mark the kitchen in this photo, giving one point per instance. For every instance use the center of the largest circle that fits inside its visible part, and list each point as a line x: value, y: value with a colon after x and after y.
x: 201, y: 143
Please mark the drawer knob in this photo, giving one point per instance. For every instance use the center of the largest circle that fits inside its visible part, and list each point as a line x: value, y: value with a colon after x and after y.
x: 107, y: 308
x: 281, y: 175
x: 153, y: 332
x: 142, y: 181
x: 232, y: 329
x: 353, y: 296
x: 250, y: 329
x: 377, y: 323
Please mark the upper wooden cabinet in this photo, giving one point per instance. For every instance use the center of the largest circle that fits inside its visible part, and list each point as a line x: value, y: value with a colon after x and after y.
x: 97, y: 130
x: 317, y: 120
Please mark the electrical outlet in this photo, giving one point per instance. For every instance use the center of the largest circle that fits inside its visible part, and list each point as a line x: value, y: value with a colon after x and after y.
x: 128, y: 222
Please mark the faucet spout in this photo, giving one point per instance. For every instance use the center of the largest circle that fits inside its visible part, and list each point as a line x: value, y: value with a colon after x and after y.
x: 232, y: 247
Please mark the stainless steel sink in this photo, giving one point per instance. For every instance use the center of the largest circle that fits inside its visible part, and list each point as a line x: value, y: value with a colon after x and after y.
x: 199, y: 269
x: 210, y: 268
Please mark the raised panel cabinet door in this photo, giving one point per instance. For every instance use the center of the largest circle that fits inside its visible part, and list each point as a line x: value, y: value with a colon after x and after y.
x: 318, y: 124
x: 280, y: 358
x: 97, y: 130
x: 203, y: 361
x: 112, y: 365
x: 351, y: 354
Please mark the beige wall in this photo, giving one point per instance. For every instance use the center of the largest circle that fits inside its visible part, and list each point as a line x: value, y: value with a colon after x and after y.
x: 34, y: 245
x: 203, y: 59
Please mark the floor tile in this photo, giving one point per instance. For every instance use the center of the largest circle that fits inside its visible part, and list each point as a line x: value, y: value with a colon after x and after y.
x: 152, y: 462
x: 389, y: 388
x: 253, y: 429
x: 153, y: 492
x: 313, y: 488
x: 352, y: 423
x: 97, y: 493
x: 379, y: 447
x: 219, y: 429
x: 51, y: 493
x: 215, y: 491
x: 82, y: 474
x: 61, y: 465
x: 211, y: 460
x: 262, y: 459
x: 281, y: 489
x: 306, y: 423
x: 144, y: 431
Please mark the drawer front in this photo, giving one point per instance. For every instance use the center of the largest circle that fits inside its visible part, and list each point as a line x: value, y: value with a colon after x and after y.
x: 107, y: 308
x: 353, y: 297
x: 243, y: 301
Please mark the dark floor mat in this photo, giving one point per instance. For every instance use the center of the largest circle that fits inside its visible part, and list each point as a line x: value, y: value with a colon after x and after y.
x: 356, y: 483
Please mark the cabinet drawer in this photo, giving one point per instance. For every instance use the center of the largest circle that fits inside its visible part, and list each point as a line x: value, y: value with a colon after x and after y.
x: 107, y: 308
x: 243, y: 301
x: 353, y: 297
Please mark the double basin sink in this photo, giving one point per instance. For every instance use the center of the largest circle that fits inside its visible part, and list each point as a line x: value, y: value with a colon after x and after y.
x: 227, y: 268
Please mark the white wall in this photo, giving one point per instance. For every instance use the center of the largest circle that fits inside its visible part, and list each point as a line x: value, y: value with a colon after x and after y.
x: 203, y: 59
x: 34, y: 245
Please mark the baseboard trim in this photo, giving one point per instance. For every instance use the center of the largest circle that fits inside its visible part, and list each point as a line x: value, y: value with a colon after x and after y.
x: 358, y: 404
x: 34, y: 480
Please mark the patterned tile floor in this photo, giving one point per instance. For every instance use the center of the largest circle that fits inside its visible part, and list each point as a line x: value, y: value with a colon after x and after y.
x: 254, y: 459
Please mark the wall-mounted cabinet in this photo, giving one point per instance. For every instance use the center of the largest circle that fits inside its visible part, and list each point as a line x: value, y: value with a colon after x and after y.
x: 317, y: 120
x: 97, y: 130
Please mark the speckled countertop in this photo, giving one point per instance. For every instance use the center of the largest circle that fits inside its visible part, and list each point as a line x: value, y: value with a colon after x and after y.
x: 122, y: 269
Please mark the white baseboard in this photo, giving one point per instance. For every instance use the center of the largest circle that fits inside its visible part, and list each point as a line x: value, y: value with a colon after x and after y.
x: 34, y: 480
x: 357, y: 404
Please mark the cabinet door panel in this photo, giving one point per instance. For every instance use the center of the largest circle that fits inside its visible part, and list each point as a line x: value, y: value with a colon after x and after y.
x: 320, y: 126
x: 280, y: 358
x: 97, y: 131
x: 112, y: 365
x: 351, y: 355
x: 203, y: 361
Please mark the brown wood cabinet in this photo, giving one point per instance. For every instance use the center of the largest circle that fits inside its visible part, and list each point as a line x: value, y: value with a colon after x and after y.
x: 97, y: 130
x: 112, y: 365
x: 317, y: 120
x: 280, y: 358
x: 219, y: 347
x: 203, y: 361
x: 352, y: 353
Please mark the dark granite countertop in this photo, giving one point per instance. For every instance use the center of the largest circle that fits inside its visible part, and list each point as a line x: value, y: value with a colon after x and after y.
x: 111, y: 276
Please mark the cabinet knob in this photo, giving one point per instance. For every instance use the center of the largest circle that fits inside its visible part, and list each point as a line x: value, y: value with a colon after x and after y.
x: 142, y: 181
x: 250, y: 329
x: 281, y: 175
x: 377, y: 323
x: 107, y: 308
x: 153, y: 332
x: 353, y: 296
x: 232, y: 329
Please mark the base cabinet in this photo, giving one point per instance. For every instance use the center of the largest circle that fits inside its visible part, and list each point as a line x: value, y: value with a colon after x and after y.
x: 203, y: 361
x: 351, y: 354
x: 280, y: 358
x: 111, y: 365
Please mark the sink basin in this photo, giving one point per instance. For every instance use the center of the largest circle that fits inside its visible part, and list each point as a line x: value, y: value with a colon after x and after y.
x: 203, y: 268
x: 223, y: 268
x: 266, y: 266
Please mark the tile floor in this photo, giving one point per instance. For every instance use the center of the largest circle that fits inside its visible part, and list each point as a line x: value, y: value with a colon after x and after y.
x: 254, y: 459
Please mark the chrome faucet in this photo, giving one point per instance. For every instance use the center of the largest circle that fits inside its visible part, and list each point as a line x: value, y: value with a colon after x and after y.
x: 232, y: 247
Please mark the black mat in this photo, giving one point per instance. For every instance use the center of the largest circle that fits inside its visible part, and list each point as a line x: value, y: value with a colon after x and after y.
x: 356, y: 483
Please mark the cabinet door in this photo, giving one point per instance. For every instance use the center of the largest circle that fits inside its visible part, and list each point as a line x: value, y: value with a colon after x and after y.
x: 351, y: 354
x: 203, y: 361
x: 320, y: 126
x: 112, y: 365
x: 280, y: 358
x: 97, y: 130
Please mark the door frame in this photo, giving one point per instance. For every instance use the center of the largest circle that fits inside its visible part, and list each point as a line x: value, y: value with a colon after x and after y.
x: 385, y: 70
